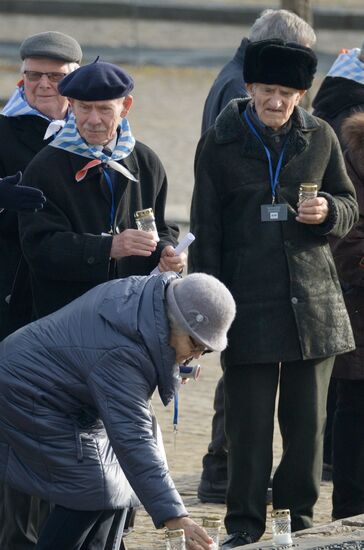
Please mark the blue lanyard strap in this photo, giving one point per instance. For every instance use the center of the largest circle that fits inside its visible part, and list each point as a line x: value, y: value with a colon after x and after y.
x: 273, y: 176
x: 175, y: 411
x: 111, y: 187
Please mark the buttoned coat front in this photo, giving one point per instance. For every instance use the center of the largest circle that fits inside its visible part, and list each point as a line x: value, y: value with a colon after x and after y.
x: 281, y: 274
x: 67, y: 245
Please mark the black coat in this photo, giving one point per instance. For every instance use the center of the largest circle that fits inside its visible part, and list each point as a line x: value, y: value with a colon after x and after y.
x: 63, y: 243
x: 349, y: 255
x: 337, y: 99
x: 281, y: 274
x: 229, y: 84
x: 21, y: 140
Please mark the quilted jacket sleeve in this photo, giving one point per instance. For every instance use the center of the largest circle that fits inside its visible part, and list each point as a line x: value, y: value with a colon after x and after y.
x: 122, y: 383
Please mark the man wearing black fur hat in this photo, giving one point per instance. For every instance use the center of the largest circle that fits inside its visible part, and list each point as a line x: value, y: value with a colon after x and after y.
x: 274, y: 257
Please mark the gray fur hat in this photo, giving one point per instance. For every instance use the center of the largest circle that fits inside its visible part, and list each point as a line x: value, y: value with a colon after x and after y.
x: 203, y: 307
x: 51, y: 44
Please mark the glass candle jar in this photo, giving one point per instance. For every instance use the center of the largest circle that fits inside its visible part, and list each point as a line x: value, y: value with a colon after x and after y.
x: 145, y: 221
x: 307, y: 191
x: 281, y: 527
x: 175, y: 539
x: 212, y: 525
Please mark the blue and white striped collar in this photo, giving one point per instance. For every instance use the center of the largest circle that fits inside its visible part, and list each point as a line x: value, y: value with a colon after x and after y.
x: 348, y: 65
x: 18, y: 105
x: 70, y: 140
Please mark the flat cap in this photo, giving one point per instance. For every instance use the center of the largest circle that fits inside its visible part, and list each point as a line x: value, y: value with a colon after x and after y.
x: 52, y: 44
x: 277, y: 62
x: 97, y: 81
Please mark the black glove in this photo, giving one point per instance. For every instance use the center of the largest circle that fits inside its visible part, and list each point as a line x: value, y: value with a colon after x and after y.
x: 17, y: 197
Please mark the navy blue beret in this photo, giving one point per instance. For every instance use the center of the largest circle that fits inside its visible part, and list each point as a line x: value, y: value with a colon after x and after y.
x: 97, y: 81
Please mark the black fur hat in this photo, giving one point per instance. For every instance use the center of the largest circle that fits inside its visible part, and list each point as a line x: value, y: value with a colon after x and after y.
x: 277, y: 62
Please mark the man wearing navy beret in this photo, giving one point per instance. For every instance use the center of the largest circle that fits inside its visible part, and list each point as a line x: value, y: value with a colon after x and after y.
x: 95, y: 175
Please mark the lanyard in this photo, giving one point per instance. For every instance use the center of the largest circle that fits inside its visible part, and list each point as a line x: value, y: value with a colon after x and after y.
x: 175, y: 411
x: 273, y: 176
x: 111, y: 187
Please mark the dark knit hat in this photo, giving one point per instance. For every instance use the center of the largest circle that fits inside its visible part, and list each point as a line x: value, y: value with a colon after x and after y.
x: 97, y: 81
x: 53, y: 45
x: 203, y: 307
x: 277, y: 62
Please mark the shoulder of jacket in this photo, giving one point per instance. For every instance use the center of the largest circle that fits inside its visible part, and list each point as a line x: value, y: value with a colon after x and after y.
x: 228, y: 125
x: 307, y: 121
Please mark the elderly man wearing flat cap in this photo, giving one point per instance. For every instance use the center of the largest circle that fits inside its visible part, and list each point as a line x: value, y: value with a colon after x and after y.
x: 28, y: 121
x: 273, y: 255
x: 95, y: 176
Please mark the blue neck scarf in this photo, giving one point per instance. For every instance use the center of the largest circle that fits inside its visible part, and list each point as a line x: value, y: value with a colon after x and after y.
x: 70, y: 140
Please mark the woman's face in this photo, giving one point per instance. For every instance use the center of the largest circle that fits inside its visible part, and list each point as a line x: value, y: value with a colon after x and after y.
x: 186, y: 347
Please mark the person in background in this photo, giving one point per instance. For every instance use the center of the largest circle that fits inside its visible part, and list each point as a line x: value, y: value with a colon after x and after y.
x: 348, y: 422
x: 75, y: 391
x: 340, y: 95
x: 27, y: 123
x: 273, y: 255
x: 342, y: 90
x: 228, y: 85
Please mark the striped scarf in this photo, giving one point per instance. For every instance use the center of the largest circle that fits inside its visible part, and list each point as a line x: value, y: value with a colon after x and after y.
x: 70, y: 140
x: 19, y: 106
x: 348, y: 65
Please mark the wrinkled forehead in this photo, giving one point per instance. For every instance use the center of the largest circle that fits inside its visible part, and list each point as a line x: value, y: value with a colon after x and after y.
x: 275, y: 88
x: 100, y: 104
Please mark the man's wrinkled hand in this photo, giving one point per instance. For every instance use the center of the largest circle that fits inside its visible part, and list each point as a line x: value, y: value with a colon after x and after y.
x: 313, y: 211
x: 132, y: 242
x: 169, y: 261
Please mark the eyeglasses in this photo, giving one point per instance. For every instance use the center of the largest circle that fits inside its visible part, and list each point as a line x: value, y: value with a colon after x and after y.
x: 196, y: 347
x: 34, y: 76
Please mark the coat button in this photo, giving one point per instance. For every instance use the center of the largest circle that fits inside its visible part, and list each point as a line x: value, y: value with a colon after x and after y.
x: 294, y: 300
x: 91, y: 260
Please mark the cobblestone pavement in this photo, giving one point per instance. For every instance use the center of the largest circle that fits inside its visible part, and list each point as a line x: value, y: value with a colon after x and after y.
x: 166, y: 115
x: 185, y: 450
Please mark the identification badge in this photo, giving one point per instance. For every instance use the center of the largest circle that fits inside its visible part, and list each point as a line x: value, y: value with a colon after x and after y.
x: 273, y: 212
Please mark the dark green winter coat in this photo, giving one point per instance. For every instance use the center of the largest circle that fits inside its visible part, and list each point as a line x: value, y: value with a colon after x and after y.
x: 281, y: 274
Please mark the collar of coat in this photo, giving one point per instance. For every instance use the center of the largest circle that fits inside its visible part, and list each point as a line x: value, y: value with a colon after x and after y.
x: 337, y: 94
x: 230, y: 125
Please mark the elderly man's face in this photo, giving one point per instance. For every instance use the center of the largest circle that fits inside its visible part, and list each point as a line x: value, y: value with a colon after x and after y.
x: 274, y: 104
x: 97, y: 121
x: 41, y: 90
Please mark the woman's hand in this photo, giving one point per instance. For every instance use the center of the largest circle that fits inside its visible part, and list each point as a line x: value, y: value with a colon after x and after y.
x: 196, y: 536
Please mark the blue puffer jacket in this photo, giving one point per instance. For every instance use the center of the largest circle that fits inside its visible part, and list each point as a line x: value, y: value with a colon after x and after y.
x: 75, y: 388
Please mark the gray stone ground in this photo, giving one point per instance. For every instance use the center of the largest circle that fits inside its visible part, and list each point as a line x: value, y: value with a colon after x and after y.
x: 166, y: 115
